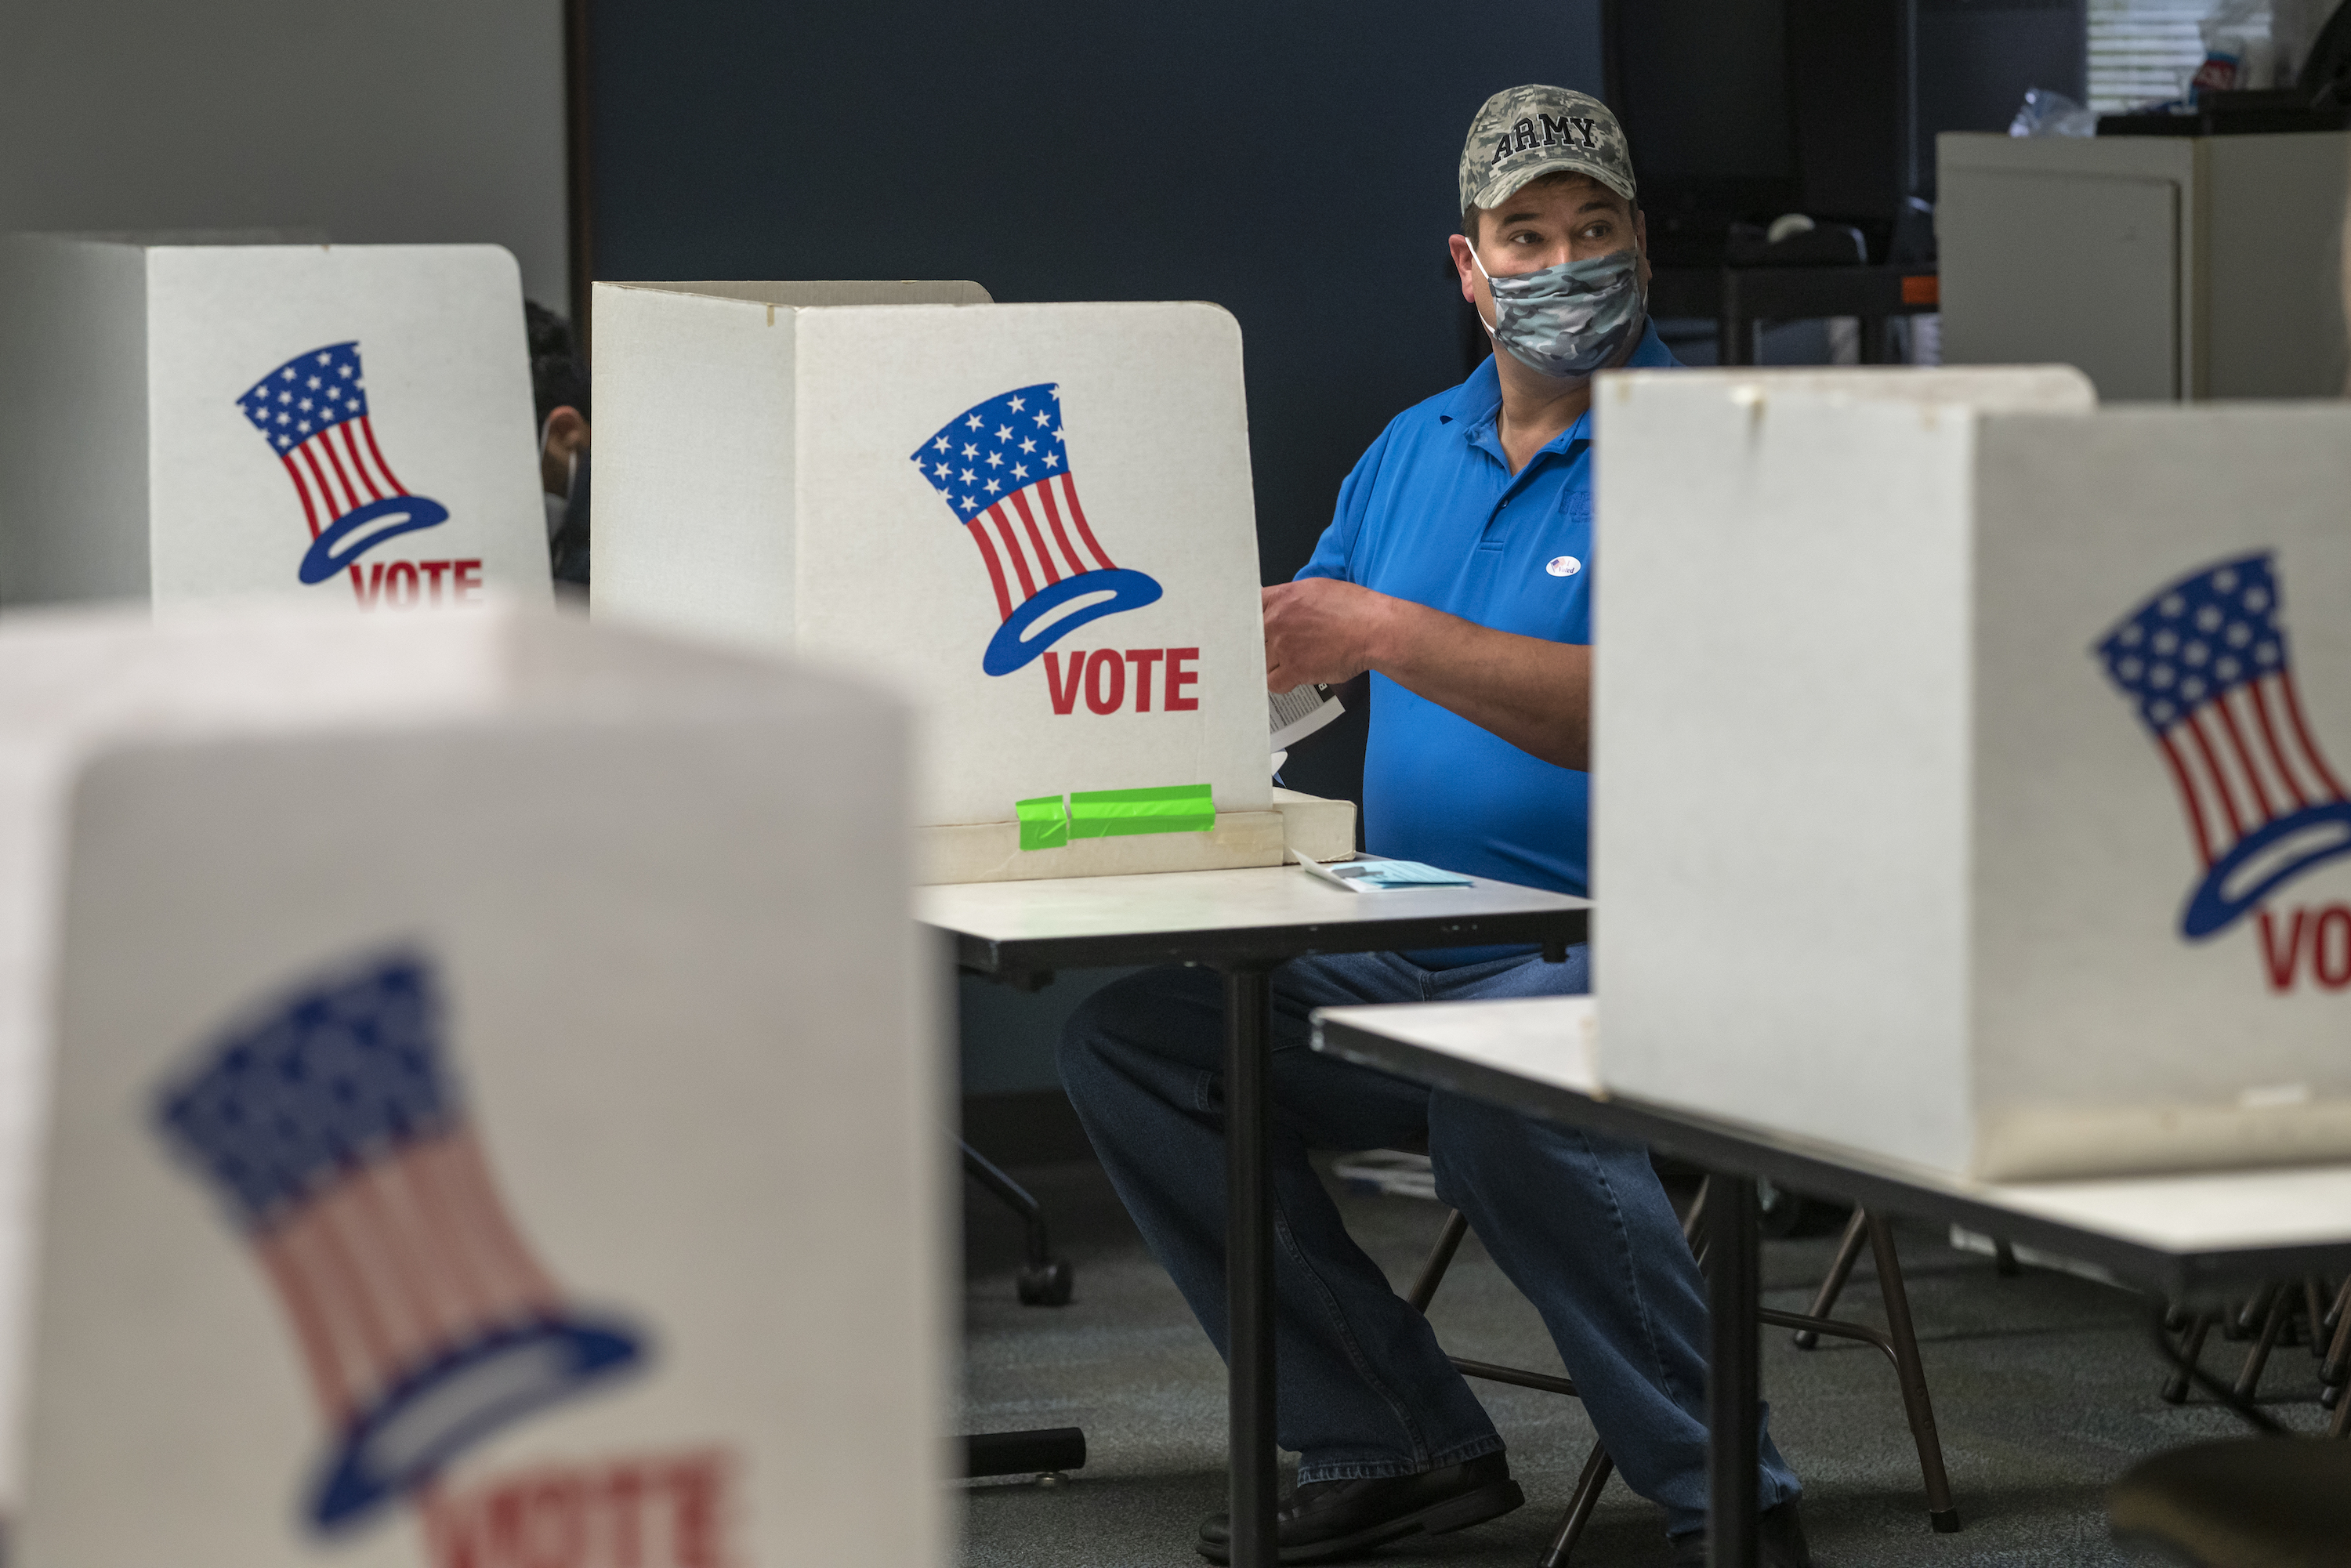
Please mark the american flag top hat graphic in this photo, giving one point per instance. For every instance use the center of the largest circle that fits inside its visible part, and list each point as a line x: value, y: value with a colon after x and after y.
x: 1003, y: 468
x: 333, y: 1129
x: 313, y: 409
x: 2204, y: 662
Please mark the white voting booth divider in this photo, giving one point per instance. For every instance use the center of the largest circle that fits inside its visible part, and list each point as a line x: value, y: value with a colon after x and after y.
x: 1972, y: 764
x: 1036, y: 520
x: 472, y: 1102
x: 346, y: 423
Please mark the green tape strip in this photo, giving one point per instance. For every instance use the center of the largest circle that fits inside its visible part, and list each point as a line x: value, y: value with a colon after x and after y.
x: 1047, y: 824
x: 1044, y: 825
x: 1118, y: 813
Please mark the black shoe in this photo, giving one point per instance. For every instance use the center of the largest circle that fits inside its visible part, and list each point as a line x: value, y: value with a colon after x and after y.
x: 1323, y: 1522
x: 1782, y: 1533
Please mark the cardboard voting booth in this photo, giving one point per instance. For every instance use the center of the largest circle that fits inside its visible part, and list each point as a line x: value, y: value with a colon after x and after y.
x: 473, y: 1102
x: 346, y: 423
x: 1973, y: 767
x: 1035, y: 520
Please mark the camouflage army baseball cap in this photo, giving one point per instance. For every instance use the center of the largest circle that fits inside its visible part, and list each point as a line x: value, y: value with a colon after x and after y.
x: 1526, y: 131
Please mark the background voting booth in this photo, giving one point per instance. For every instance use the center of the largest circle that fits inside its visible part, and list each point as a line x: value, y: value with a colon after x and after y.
x: 421, y: 1037
x: 345, y: 423
x: 1981, y: 804
x: 1035, y: 520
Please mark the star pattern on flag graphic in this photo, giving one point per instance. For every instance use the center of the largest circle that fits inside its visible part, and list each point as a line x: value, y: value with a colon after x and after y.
x: 332, y: 1127
x: 2200, y: 640
x: 304, y: 396
x: 2206, y: 664
x: 999, y: 446
x: 1003, y: 467
x: 313, y: 411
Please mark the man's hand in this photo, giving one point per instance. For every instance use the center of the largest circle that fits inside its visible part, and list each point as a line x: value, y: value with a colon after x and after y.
x: 1319, y: 629
x: 1534, y: 694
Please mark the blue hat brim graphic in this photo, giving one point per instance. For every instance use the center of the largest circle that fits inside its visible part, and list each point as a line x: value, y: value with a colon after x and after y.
x: 1015, y: 645
x: 438, y: 1412
x: 327, y: 556
x: 2213, y: 907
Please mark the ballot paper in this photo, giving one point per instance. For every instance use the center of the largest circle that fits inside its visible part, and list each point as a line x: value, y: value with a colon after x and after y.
x: 1378, y: 875
x: 1294, y: 715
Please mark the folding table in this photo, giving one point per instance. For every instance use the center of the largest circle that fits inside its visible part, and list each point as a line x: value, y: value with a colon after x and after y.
x: 1243, y: 924
x: 2187, y: 1236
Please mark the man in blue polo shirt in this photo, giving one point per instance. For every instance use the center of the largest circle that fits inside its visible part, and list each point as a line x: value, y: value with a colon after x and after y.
x: 1458, y: 571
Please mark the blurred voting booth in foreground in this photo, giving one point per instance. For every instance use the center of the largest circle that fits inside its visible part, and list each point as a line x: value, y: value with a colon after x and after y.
x: 1975, y: 763
x: 1035, y: 520
x: 346, y: 423
x: 422, y: 1036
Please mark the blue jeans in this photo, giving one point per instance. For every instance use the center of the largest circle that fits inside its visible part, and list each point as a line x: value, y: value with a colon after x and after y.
x: 1578, y: 1222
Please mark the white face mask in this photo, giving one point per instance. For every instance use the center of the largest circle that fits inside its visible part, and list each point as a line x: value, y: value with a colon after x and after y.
x: 1569, y: 320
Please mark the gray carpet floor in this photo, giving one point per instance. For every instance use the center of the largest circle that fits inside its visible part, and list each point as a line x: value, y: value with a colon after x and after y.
x: 2044, y: 1386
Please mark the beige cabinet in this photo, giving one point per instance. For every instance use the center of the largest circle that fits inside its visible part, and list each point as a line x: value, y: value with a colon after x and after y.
x: 2165, y: 267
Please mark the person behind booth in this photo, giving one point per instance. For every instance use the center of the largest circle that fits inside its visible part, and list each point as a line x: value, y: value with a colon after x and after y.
x: 559, y: 389
x: 1457, y: 570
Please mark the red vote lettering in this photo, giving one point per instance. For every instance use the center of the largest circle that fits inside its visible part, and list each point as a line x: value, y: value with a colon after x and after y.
x: 1103, y: 674
x: 370, y: 591
x: 1065, y: 697
x: 465, y: 578
x: 1178, y: 677
x: 1143, y: 659
x: 2280, y: 961
x: 2330, y: 947
x: 1106, y: 659
x: 668, y: 1512
x: 2320, y: 938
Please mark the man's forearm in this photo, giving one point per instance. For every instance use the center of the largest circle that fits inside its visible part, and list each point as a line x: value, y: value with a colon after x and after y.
x: 1533, y: 693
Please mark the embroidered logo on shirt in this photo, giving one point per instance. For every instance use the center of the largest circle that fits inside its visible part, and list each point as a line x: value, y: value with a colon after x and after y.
x: 1563, y: 566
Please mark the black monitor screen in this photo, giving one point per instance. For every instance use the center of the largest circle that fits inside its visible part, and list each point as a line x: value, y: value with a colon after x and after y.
x: 1702, y: 88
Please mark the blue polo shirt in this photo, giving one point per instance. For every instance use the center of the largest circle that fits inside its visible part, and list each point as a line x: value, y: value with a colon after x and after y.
x: 1433, y: 514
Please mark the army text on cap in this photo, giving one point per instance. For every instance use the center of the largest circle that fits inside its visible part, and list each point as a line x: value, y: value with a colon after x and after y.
x: 1567, y: 130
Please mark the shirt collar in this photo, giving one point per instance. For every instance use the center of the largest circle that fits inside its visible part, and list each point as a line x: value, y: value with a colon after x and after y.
x: 1475, y: 401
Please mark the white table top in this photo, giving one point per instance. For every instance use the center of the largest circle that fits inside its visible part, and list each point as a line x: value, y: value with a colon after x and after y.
x: 1156, y: 903
x: 1549, y: 1040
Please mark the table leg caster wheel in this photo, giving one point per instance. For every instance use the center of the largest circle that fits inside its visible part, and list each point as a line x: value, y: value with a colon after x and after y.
x: 1047, y: 1284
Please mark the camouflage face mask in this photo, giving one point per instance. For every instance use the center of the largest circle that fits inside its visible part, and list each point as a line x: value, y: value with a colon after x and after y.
x: 1569, y: 320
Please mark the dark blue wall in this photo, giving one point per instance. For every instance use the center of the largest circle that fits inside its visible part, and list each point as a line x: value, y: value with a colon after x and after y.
x: 1294, y: 163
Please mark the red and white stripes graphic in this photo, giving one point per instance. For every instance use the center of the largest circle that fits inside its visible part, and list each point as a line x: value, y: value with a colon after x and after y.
x: 340, y: 470
x: 1035, y: 523
x: 2243, y: 760
x: 400, y: 1260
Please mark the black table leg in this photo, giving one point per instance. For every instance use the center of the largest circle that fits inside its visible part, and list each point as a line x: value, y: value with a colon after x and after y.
x: 1733, y: 1284
x: 1248, y: 1260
